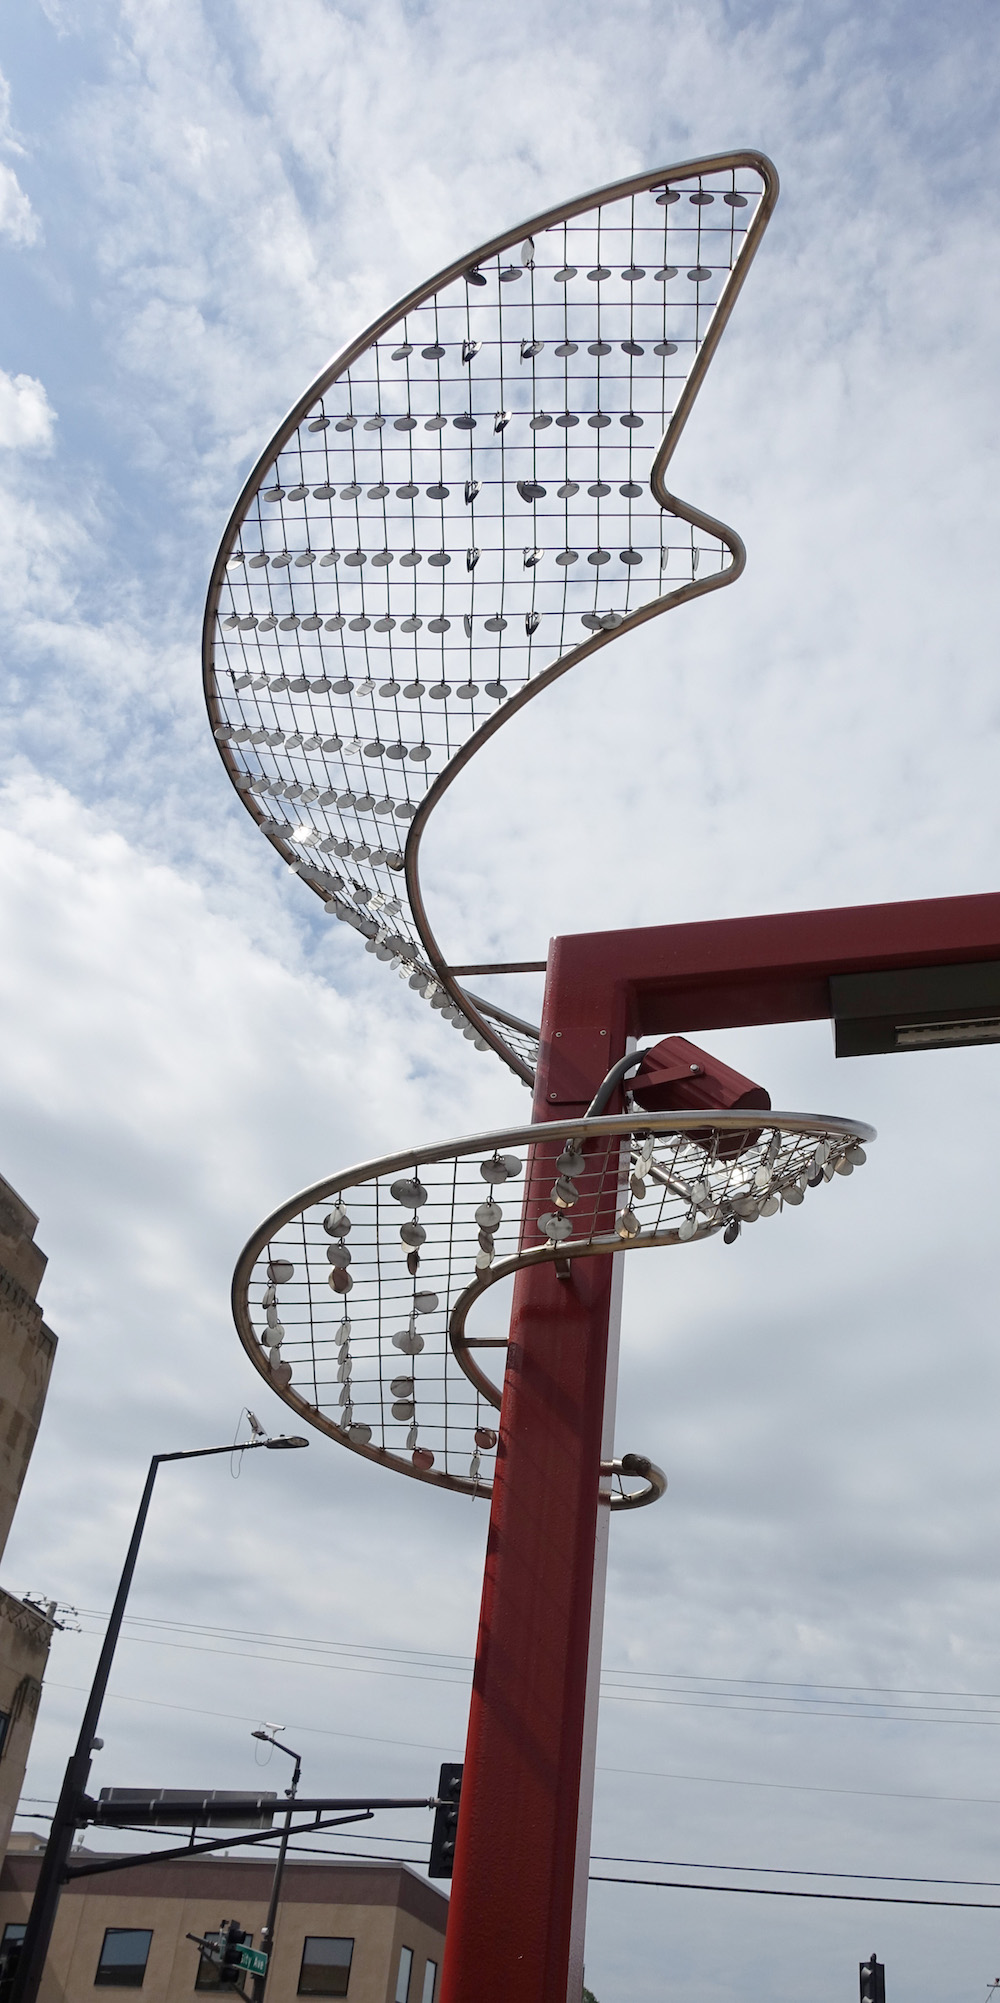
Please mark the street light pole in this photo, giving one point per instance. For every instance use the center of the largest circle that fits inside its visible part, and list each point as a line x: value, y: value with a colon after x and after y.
x: 38, y: 1933
x: 267, y: 1933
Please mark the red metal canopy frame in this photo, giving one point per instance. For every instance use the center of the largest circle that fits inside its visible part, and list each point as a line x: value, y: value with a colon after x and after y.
x: 515, y: 1933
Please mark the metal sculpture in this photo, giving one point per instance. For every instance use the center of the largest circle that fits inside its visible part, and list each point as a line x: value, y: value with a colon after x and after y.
x: 354, y: 1299
x: 470, y: 500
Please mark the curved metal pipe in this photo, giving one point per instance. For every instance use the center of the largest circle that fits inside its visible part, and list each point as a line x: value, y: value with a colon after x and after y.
x: 646, y: 1470
x: 617, y: 1072
x: 612, y: 1126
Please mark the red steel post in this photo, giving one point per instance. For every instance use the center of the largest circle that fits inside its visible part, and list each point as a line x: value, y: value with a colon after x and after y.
x: 521, y: 1840
x: 512, y: 1907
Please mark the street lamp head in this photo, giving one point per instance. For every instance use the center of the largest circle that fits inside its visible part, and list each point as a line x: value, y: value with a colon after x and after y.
x: 677, y: 1076
x: 286, y: 1440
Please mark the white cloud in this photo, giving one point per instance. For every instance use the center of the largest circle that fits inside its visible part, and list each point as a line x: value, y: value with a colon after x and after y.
x: 18, y: 221
x: 26, y: 415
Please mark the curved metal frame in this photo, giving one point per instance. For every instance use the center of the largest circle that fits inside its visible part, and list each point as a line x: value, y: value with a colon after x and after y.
x: 617, y: 1125
x: 481, y: 1016
x: 653, y: 1478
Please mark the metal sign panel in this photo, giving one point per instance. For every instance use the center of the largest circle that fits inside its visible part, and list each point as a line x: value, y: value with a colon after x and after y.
x: 220, y: 1808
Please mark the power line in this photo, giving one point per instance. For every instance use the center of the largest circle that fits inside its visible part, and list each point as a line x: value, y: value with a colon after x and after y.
x: 785, y: 1871
x: 253, y: 1717
x: 315, y: 1851
x: 640, y: 1773
x: 885, y: 1715
x: 686, y: 1864
x: 411, y: 1663
x: 293, y: 1662
x: 776, y: 1892
x: 807, y: 1787
x: 443, y: 1659
x: 297, y: 1640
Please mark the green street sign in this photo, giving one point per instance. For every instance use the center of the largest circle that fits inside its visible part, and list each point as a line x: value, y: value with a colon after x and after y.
x: 253, y: 1960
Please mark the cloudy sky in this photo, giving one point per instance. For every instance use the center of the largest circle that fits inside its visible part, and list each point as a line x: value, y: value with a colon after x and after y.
x: 199, y: 201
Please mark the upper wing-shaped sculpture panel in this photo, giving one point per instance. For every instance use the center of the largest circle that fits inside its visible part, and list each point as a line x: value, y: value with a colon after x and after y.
x: 468, y: 500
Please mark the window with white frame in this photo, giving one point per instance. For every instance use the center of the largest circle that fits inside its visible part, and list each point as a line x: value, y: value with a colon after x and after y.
x: 403, y: 1977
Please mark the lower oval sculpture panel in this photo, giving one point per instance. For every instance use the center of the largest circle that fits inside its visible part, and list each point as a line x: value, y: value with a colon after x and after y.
x: 371, y: 1275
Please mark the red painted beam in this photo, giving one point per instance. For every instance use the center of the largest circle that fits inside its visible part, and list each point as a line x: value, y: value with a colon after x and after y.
x: 519, y: 1846
x: 515, y: 1903
x: 730, y: 972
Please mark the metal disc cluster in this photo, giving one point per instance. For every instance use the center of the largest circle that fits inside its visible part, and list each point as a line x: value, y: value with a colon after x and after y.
x: 353, y: 1300
x: 468, y: 501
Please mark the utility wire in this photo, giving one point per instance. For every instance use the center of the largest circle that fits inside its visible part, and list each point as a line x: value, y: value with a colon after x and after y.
x: 875, y: 1710
x: 776, y: 1892
x: 665, y: 1864
x: 785, y: 1871
x: 253, y: 1718
x: 438, y: 1656
x: 440, y: 1659
x: 640, y: 1773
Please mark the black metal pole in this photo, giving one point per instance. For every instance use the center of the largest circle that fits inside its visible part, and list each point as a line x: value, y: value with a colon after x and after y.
x: 267, y: 1931
x: 38, y: 1933
x: 139, y: 1859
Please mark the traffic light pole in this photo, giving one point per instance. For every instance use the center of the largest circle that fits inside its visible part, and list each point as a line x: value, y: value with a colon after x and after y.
x: 66, y: 1820
x: 267, y: 1932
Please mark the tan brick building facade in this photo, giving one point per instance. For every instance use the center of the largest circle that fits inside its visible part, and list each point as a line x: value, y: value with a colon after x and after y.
x: 27, y: 1349
x: 373, y: 1932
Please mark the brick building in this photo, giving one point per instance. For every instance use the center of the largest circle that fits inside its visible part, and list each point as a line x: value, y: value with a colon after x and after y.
x: 373, y: 1932
x: 27, y: 1349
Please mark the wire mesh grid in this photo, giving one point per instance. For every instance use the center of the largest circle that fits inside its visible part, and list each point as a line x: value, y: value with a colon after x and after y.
x: 353, y: 1300
x: 464, y: 502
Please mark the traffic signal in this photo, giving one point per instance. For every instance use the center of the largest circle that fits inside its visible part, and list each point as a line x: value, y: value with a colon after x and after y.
x: 872, y: 1981
x: 442, y: 1858
x: 232, y: 1938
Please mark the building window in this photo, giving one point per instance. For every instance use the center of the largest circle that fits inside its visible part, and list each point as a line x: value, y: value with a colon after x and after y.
x: 430, y: 1981
x: 124, y: 1956
x: 403, y: 1978
x: 326, y: 1965
x: 4, y: 1729
x: 10, y: 1950
x: 208, y: 1975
